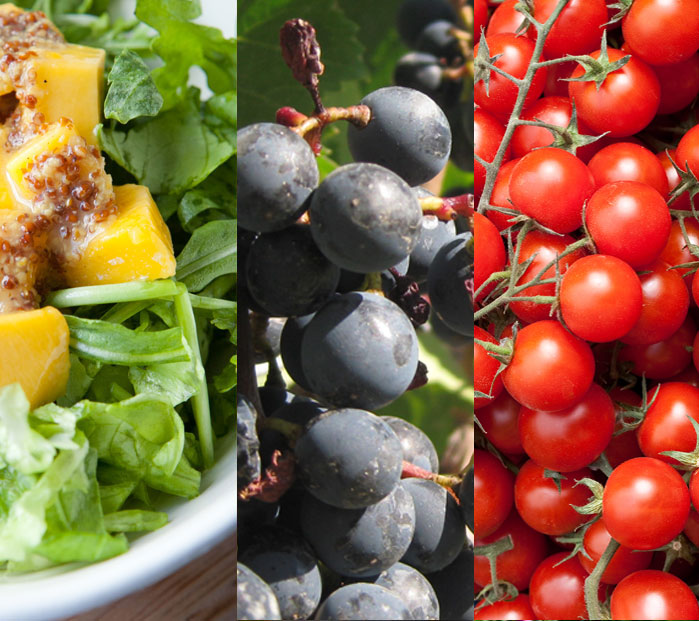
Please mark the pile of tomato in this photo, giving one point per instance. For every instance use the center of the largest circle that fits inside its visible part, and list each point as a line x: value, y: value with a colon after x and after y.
x: 587, y: 309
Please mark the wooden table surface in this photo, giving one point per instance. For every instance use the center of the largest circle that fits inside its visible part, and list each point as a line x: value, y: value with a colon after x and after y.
x: 203, y: 590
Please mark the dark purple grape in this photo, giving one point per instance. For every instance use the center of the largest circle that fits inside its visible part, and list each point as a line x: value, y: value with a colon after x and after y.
x: 413, y: 589
x: 438, y: 39
x: 417, y: 447
x: 290, y: 347
x: 454, y: 586
x: 248, y: 444
x: 414, y: 15
x: 349, y: 458
x: 466, y: 498
x: 363, y: 601
x: 256, y: 599
x: 434, y: 234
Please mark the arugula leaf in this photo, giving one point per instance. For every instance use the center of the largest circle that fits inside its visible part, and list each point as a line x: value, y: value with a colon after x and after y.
x: 212, y: 251
x: 132, y: 92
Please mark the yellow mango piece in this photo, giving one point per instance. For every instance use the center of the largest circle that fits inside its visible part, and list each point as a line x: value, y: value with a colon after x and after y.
x: 69, y: 82
x: 133, y: 245
x: 34, y: 347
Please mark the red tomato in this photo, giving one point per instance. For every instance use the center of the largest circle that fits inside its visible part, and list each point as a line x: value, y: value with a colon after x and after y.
x: 629, y: 220
x: 662, y: 32
x: 550, y: 369
x: 664, y: 359
x: 691, y: 528
x: 487, y: 135
x: 624, y: 446
x: 556, y: 85
x: 545, y: 508
x: 645, y: 504
x: 665, y: 306
x: 551, y: 186
x: 492, y: 491
x: 626, y: 161
x: 518, y: 564
x: 489, y: 253
x: 688, y: 151
x: 485, y: 369
x: 543, y: 247
x: 505, y: 19
x: 624, y: 104
x: 515, y: 55
x: 653, y: 594
x: 666, y: 426
x: 500, y: 196
x: 624, y: 562
x: 557, y: 589
x: 676, y: 251
x: 480, y: 17
x: 673, y: 179
x: 694, y: 488
x: 499, y: 421
x: 679, y: 84
x: 572, y: 438
x: 590, y: 302
x: 578, y: 29
x: 517, y: 608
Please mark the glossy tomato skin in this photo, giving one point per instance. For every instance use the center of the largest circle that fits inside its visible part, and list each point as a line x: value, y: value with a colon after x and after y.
x: 551, y: 186
x: 499, y: 421
x: 578, y: 29
x: 515, y: 55
x: 694, y: 488
x: 489, y: 252
x: 691, y: 528
x: 626, y: 161
x: 624, y: 446
x: 505, y: 19
x: 493, y: 493
x: 486, y: 367
x: 518, y: 564
x: 653, y: 594
x: 679, y: 84
x: 556, y: 590
x: 545, y: 508
x: 666, y: 426
x: 572, y: 438
x: 662, y: 32
x: 624, y: 562
x: 500, y: 197
x: 550, y: 369
x: 665, y: 306
x: 487, y: 135
x: 624, y: 104
x: 645, y: 503
x: 673, y: 179
x: 688, y: 151
x: 590, y: 302
x: 543, y: 248
x: 480, y: 17
x: 517, y: 608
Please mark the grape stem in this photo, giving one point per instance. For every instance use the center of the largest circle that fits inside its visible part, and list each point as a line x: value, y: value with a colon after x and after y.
x: 448, y: 208
x: 411, y: 471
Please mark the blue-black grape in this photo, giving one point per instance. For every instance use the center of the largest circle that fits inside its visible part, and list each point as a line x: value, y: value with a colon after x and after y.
x: 277, y: 171
x: 424, y: 73
x: 256, y: 600
x: 454, y: 586
x: 248, y: 443
x: 349, y: 458
x: 290, y: 347
x: 408, y: 133
x: 414, y: 15
x: 271, y: 337
x: 437, y: 39
x: 287, y: 563
x: 363, y: 601
x: 274, y: 397
x: 298, y: 412
x: 359, y: 350
x: 440, y: 531
x: 446, y: 283
x: 417, y: 447
x: 364, y: 218
x: 413, y: 588
x: 360, y: 542
x: 434, y: 234
x: 466, y: 498
x: 298, y: 284
x: 460, y: 117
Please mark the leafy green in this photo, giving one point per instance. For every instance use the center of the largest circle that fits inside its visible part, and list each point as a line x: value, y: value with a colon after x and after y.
x: 132, y: 92
x: 134, y: 520
x: 212, y: 251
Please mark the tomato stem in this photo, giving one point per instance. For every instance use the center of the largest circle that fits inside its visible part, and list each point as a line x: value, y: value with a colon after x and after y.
x: 594, y: 607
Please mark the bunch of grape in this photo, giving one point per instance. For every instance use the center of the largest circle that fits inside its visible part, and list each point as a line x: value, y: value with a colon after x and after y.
x: 342, y: 513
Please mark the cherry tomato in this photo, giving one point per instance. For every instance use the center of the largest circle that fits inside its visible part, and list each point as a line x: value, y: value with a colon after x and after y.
x: 518, y: 564
x: 578, y: 29
x: 682, y: 202
x: 517, y: 608
x: 492, y: 491
x: 571, y: 438
x: 487, y: 135
x: 480, y: 17
x: 485, y: 367
x: 515, y: 54
x: 691, y: 528
x: 653, y: 594
x: 543, y: 248
x: 666, y: 426
x: 557, y: 588
x: 676, y: 251
x: 665, y: 306
x: 499, y: 421
x: 694, y: 488
x: 626, y: 101
x: 626, y: 161
x: 545, y: 508
x: 489, y: 253
x: 679, y: 84
x: 505, y: 19
x: 688, y: 151
x: 550, y: 369
x: 551, y: 186
x: 662, y: 32
x: 590, y: 302
x: 556, y: 85
x: 645, y: 504
x: 624, y: 562
x: 500, y: 196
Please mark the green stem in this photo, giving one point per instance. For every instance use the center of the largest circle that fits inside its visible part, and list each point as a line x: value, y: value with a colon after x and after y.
x: 594, y: 608
x: 112, y: 294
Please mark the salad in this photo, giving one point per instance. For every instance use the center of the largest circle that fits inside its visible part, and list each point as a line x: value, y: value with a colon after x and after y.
x: 117, y: 271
